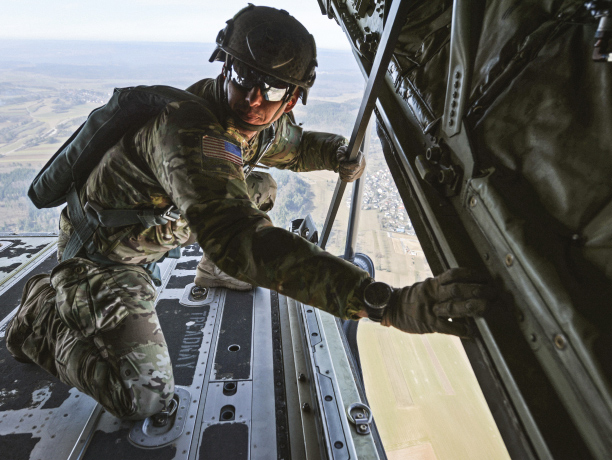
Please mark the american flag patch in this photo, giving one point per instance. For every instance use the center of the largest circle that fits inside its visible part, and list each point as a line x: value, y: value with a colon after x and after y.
x: 213, y: 147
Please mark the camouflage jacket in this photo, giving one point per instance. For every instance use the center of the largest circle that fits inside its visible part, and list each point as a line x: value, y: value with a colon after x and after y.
x: 188, y: 157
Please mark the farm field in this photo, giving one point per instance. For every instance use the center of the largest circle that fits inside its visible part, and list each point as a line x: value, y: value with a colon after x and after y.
x: 43, y: 133
x: 397, y: 257
x: 426, y: 401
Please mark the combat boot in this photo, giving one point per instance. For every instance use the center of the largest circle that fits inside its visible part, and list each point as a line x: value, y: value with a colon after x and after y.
x: 209, y: 275
x: 38, y: 297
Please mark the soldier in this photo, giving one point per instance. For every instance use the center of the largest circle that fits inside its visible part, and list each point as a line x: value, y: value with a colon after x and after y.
x: 92, y: 322
x: 269, y: 64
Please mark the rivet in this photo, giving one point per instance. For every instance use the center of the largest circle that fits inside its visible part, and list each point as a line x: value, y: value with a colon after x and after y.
x: 301, y: 377
x: 455, y: 94
x: 363, y: 428
x: 306, y: 407
x: 560, y: 341
x: 533, y: 337
x: 509, y: 259
x: 457, y: 84
x: 458, y: 75
x: 452, y: 113
x: 486, y: 256
x: 451, y: 122
x: 473, y: 201
x: 575, y: 237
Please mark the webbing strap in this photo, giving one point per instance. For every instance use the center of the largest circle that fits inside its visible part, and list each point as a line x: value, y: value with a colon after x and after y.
x: 84, y: 224
x: 123, y: 217
x: 86, y: 219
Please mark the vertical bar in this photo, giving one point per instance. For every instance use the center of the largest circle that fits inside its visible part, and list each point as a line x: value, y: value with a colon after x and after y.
x: 353, y: 224
x: 331, y: 213
x: 386, y: 46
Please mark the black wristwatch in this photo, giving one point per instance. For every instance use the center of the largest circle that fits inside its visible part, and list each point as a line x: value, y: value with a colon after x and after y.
x: 376, y: 297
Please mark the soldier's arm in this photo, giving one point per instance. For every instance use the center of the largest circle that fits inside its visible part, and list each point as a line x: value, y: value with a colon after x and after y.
x: 210, y: 191
x: 300, y: 150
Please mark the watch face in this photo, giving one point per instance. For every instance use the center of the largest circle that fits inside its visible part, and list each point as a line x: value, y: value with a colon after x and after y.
x: 377, y: 295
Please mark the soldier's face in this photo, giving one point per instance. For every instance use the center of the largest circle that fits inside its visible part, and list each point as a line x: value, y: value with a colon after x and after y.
x: 253, y: 108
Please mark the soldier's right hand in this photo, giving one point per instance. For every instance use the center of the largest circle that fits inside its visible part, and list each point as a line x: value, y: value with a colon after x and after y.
x: 439, y: 304
x: 350, y: 171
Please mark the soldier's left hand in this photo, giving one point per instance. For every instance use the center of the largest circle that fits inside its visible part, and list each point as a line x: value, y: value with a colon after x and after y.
x: 426, y: 307
x: 350, y: 170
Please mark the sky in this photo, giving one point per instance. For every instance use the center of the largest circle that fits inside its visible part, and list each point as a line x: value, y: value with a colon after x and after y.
x: 148, y: 20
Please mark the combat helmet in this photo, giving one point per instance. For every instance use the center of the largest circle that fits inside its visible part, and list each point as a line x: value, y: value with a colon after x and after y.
x: 270, y: 41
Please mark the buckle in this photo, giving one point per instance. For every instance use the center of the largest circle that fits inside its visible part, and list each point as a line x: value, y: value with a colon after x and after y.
x: 91, y: 206
x: 170, y: 214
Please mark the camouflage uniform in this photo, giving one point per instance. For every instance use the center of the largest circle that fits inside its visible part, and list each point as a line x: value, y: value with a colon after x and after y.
x: 103, y: 336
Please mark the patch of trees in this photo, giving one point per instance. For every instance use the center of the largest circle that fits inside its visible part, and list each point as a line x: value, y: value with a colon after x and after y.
x: 13, y: 132
x: 39, y: 220
x: 15, y: 184
x: 19, y: 215
x: 294, y: 198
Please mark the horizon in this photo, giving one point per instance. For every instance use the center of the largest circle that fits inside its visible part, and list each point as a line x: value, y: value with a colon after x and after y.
x: 178, y: 62
x: 92, y: 40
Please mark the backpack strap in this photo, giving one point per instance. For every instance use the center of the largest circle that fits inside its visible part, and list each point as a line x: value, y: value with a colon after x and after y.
x: 84, y: 224
x: 86, y: 219
x: 123, y: 217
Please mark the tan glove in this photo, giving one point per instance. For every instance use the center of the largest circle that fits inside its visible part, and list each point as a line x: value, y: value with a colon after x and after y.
x: 349, y: 170
x: 426, y: 307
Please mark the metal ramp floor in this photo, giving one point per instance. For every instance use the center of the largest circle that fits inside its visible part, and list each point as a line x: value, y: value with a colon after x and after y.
x: 256, y: 372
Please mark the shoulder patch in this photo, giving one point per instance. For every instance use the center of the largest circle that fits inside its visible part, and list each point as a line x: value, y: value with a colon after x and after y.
x: 220, y: 149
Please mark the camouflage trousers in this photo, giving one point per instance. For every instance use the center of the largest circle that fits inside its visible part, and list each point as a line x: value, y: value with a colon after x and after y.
x: 96, y: 329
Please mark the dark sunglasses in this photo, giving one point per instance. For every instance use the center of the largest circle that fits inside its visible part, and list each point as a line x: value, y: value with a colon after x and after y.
x: 272, y: 89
